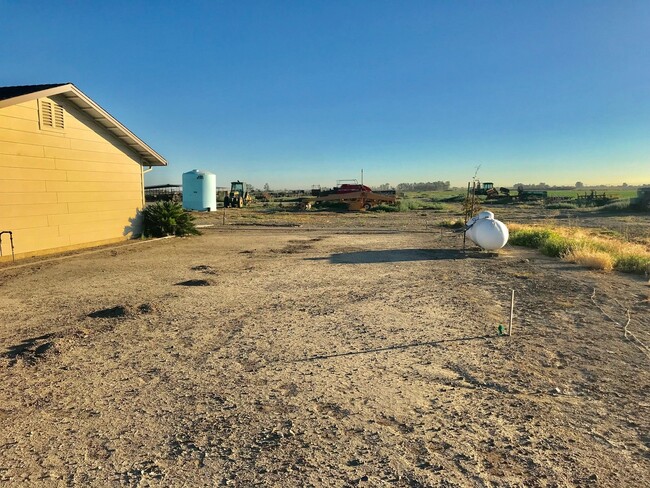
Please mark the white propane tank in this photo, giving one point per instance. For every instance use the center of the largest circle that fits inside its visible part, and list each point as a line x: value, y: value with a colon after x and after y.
x: 489, y: 234
x: 485, y: 214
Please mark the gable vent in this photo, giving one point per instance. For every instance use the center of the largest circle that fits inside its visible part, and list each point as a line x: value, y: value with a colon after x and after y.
x: 51, y: 115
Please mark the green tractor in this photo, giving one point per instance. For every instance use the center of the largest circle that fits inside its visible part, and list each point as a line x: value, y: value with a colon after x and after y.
x: 238, y: 196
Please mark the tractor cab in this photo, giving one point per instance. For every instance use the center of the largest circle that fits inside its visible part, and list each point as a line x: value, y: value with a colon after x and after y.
x: 238, y: 196
x: 488, y: 185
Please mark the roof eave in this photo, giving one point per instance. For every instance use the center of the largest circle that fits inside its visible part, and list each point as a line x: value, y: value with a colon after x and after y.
x: 148, y: 157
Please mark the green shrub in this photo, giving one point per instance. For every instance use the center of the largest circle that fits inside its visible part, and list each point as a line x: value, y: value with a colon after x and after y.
x: 529, y: 237
x: 632, y: 263
x: 557, y: 246
x: 167, y: 219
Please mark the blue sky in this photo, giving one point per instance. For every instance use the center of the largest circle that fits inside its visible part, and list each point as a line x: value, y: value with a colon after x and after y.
x: 296, y: 93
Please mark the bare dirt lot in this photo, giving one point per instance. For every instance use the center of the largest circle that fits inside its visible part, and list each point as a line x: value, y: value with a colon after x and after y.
x: 321, y: 350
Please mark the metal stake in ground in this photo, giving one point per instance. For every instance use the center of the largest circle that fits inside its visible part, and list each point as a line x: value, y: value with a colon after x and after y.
x: 512, y: 311
x: 465, y: 215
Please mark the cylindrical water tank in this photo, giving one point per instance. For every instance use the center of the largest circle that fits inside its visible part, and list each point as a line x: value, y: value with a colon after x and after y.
x: 199, y: 190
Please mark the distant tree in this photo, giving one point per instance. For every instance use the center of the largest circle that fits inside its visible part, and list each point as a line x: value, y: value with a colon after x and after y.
x: 249, y: 187
x: 267, y: 187
x: 624, y: 185
x: 579, y: 184
x: 384, y: 186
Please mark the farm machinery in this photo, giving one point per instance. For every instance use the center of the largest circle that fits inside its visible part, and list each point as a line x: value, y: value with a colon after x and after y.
x: 490, y: 191
x: 354, y: 195
x: 238, y: 196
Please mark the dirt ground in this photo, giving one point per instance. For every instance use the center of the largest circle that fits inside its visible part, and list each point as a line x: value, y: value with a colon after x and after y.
x: 318, y: 350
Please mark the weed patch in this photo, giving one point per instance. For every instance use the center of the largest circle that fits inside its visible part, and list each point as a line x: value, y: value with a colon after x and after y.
x: 589, y: 250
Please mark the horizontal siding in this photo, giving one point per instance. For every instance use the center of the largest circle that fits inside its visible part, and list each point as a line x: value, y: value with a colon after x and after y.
x: 24, y: 222
x: 14, y: 186
x: 95, y: 146
x: 92, y: 186
x: 21, y: 198
x: 80, y: 218
x: 64, y: 189
x: 125, y: 204
x: 44, y: 138
x: 107, y: 196
x: 25, y: 125
x: 95, y: 166
x: 33, y: 174
x: 36, y: 162
x: 28, y: 210
x: 95, y: 237
x: 103, y: 229
x: 18, y: 149
x: 38, y: 238
x: 93, y: 176
x: 77, y: 155
x: 24, y: 111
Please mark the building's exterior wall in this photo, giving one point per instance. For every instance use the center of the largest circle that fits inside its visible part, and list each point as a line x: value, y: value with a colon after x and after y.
x: 67, y: 189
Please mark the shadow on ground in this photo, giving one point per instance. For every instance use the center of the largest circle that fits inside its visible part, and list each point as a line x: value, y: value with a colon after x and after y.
x: 392, y: 348
x: 29, y: 349
x: 402, y: 255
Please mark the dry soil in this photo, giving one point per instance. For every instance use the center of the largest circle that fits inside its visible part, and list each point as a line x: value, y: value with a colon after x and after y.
x: 327, y: 350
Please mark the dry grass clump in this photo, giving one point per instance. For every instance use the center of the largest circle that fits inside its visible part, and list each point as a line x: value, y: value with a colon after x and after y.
x: 581, y: 247
x: 452, y: 224
x: 590, y: 258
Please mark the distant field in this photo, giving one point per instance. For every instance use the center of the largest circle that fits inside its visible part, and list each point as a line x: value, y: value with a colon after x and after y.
x: 441, y: 195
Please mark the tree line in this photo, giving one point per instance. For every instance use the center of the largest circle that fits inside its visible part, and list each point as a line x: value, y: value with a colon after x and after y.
x: 428, y: 186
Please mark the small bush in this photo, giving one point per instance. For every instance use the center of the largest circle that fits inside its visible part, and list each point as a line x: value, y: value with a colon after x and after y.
x: 557, y: 246
x: 632, y: 263
x: 167, y: 219
x: 558, y: 206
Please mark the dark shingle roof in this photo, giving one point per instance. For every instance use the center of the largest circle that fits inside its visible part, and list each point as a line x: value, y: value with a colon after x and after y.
x: 7, y: 92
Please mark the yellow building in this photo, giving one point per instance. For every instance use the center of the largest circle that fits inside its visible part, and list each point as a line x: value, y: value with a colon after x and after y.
x: 71, y: 175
